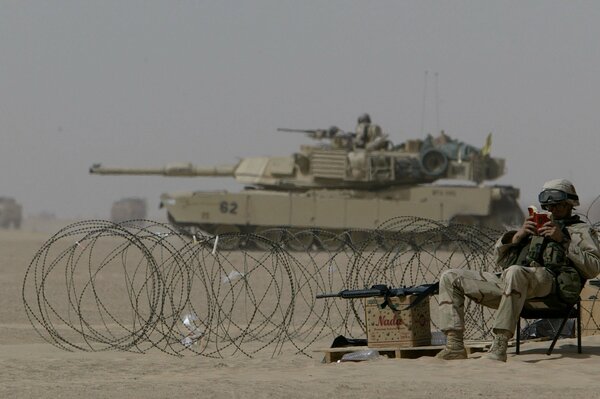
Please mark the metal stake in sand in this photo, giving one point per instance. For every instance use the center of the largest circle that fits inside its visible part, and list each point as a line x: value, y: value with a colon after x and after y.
x: 215, y: 246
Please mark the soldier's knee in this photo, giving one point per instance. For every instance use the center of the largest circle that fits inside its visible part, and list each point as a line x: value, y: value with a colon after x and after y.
x: 514, y: 271
x: 448, y: 277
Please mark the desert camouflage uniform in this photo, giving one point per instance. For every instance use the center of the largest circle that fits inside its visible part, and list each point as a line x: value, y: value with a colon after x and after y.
x: 366, y: 133
x: 509, y: 291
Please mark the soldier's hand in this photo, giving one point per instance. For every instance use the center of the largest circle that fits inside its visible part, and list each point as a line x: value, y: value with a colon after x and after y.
x: 551, y: 231
x: 527, y: 229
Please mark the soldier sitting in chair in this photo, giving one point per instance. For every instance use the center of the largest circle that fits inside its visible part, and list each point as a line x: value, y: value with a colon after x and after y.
x: 553, y: 259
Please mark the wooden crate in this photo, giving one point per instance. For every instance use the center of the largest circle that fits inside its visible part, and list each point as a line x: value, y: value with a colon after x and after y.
x: 398, y: 328
x: 335, y: 354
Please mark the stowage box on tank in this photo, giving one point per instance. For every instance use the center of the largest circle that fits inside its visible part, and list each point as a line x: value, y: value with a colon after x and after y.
x: 345, y: 183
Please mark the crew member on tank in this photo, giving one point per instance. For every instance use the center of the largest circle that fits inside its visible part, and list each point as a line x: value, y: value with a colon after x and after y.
x: 366, y: 131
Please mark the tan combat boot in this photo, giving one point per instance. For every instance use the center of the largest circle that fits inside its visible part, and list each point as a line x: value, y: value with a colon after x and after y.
x: 455, y: 347
x: 499, y: 346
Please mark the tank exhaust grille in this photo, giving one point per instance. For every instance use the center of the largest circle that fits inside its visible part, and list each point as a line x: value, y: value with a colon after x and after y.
x: 329, y: 164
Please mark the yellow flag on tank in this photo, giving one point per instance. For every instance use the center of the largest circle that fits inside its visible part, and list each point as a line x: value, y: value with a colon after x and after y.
x: 487, y: 148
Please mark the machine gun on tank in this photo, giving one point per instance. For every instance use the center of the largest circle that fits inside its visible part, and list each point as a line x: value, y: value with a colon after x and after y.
x: 313, y: 133
x: 380, y: 290
x: 338, y: 138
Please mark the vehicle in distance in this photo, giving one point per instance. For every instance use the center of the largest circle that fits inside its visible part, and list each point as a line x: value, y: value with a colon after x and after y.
x: 11, y: 213
x: 131, y: 208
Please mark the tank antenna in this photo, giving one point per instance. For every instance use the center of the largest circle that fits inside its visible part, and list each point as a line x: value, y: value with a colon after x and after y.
x: 437, y: 104
x: 424, y: 104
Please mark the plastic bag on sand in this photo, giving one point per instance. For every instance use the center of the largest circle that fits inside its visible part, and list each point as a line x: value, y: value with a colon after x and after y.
x: 360, y: 356
x: 233, y: 276
x: 194, y: 333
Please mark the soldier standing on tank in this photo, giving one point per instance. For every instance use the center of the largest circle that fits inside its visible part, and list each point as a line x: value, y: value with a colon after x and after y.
x: 366, y: 131
x: 567, y: 237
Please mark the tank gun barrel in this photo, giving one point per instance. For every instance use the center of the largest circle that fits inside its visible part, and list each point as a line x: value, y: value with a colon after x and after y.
x: 316, y: 134
x: 287, y: 130
x: 174, y: 170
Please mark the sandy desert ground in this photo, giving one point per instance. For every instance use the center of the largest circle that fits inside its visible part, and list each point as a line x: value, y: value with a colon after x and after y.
x: 30, y: 367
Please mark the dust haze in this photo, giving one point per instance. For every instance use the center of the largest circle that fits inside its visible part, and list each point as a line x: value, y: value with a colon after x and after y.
x: 144, y: 83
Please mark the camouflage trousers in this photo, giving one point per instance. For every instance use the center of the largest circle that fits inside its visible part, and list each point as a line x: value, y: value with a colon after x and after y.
x: 507, y: 293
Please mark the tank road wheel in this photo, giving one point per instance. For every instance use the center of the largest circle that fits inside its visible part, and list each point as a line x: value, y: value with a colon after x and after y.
x: 393, y: 241
x: 331, y: 240
x: 190, y: 230
x: 466, y: 219
x: 272, y: 235
x: 229, y: 237
x: 429, y: 241
x: 299, y: 239
x: 363, y: 239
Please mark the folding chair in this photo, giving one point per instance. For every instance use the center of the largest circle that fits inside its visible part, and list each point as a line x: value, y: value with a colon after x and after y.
x: 551, y: 308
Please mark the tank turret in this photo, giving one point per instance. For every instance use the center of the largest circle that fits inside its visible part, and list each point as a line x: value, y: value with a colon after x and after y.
x: 344, y: 181
x: 334, y: 166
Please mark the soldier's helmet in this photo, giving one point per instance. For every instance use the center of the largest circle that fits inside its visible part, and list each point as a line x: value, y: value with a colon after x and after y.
x: 332, y: 131
x: 558, y: 190
x: 364, y: 118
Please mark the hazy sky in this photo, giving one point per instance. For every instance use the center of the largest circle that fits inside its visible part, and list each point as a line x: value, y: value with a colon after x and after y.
x: 143, y: 83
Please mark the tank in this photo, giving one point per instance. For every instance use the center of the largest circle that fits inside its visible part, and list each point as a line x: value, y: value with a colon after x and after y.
x: 131, y: 208
x: 10, y: 213
x: 346, y: 184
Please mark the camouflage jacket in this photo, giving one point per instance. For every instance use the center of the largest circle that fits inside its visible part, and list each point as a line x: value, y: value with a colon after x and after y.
x: 581, y: 248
